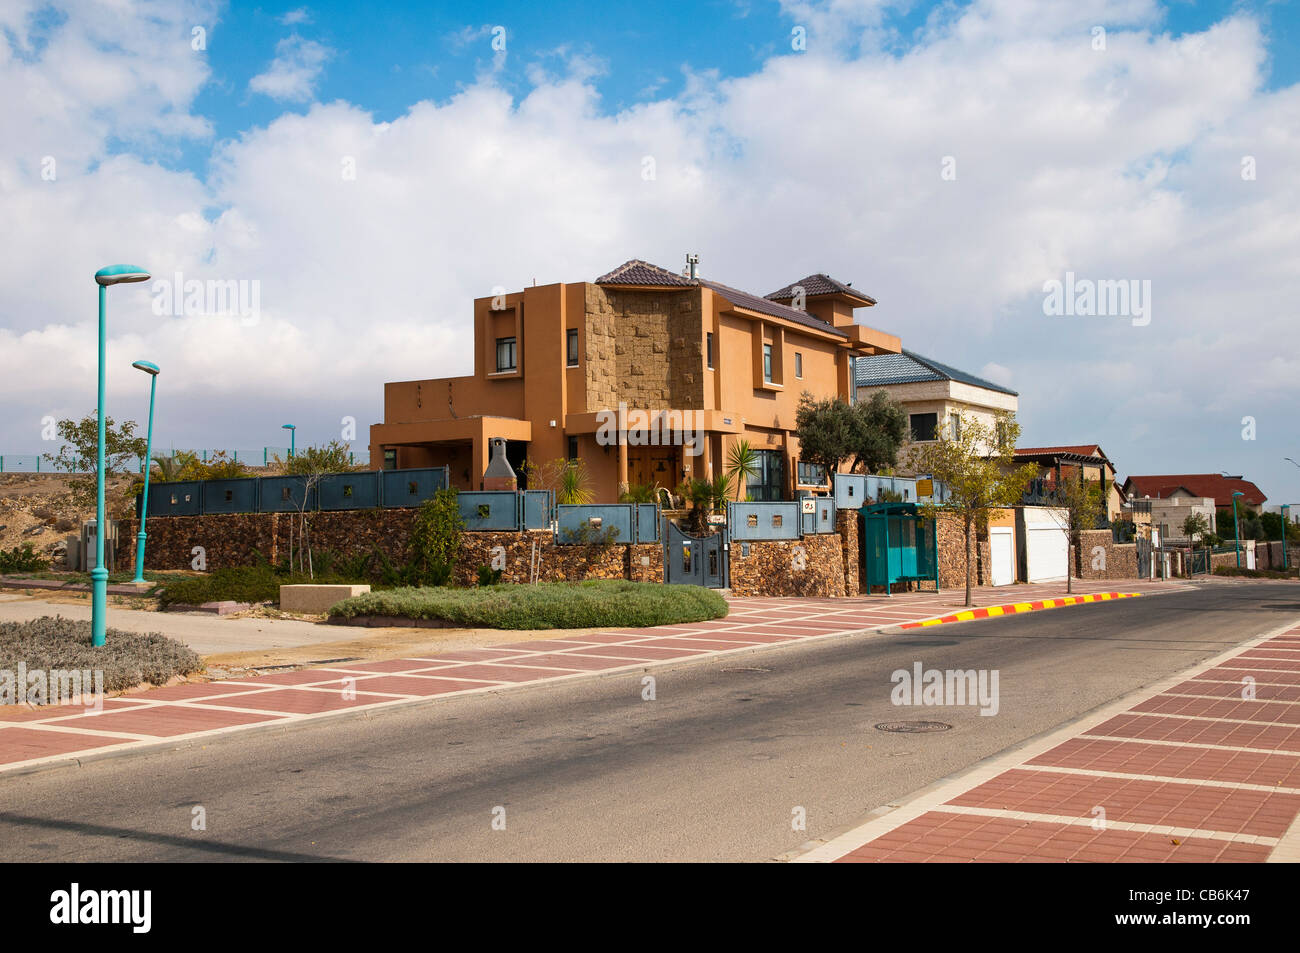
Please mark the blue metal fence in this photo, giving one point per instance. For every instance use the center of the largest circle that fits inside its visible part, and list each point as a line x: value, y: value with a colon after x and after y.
x: 647, y: 522
x: 767, y: 520
x: 572, y: 517
x: 488, y: 510
x: 361, y: 489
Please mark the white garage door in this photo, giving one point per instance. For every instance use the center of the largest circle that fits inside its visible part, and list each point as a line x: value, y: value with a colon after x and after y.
x: 1046, y: 553
x: 1002, y: 551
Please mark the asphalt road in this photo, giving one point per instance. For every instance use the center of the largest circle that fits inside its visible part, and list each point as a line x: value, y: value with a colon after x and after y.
x: 712, y: 769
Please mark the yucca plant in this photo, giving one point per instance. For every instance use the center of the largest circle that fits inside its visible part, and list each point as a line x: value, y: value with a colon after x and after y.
x: 573, y: 486
x: 742, y: 463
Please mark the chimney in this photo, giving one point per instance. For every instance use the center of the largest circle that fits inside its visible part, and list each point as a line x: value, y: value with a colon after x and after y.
x: 499, y: 475
x: 692, y: 269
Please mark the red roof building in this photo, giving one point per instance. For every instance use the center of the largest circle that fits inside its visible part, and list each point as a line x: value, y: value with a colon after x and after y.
x: 1214, y: 485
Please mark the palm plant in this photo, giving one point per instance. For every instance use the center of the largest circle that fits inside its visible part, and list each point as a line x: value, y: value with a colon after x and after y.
x: 742, y: 464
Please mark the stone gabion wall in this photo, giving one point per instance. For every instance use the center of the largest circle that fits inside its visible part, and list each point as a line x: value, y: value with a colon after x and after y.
x: 847, y: 525
x: 812, y: 566
x: 952, y: 554
x: 227, y: 540
x: 645, y: 562
x: 1119, y: 559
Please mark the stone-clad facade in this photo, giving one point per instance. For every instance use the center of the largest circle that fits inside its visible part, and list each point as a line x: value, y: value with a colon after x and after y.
x: 812, y: 566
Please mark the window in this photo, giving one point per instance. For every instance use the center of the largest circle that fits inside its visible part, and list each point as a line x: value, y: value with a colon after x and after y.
x: 573, y: 448
x: 506, y: 355
x: 768, y: 480
x: 708, y: 350
x: 798, y: 364
x: 767, y: 363
x: 347, y: 489
x: 954, y: 426
x: 812, y: 474
x: 924, y: 426
x: 571, y: 346
x: 390, y: 459
x: 230, y: 496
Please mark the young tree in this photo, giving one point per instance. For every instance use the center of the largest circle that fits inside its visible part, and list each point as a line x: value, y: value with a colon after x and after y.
x: 79, y: 455
x: 1078, y: 504
x: 980, y: 471
x: 311, y: 465
x: 1196, y: 528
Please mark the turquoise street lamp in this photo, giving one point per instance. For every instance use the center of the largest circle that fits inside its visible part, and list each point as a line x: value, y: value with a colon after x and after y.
x: 291, y: 428
x: 151, y: 369
x: 111, y: 275
x: 1236, y: 534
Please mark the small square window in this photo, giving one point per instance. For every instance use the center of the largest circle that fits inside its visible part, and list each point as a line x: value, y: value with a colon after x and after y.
x: 751, y: 520
x: 767, y: 363
x: 777, y: 520
x: 347, y: 489
x: 573, y: 448
x: 484, y: 510
x: 412, y: 488
x: 173, y: 499
x: 230, y: 496
x: 286, y: 493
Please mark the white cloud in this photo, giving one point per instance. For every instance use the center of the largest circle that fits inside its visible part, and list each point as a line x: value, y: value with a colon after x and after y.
x: 296, y: 17
x: 1116, y: 164
x: 293, y: 73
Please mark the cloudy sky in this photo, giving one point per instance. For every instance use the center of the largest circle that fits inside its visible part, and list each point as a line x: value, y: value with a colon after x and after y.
x: 372, y: 172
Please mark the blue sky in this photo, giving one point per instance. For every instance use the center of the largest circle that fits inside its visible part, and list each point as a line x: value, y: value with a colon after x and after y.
x: 476, y: 170
x: 385, y: 57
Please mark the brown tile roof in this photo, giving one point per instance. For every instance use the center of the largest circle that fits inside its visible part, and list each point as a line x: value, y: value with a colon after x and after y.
x: 819, y: 285
x: 638, y: 272
x: 1082, y: 450
x: 743, y: 299
x: 1197, y: 484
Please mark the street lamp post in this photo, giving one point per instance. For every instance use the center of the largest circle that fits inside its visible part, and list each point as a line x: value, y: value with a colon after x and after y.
x: 291, y: 428
x: 111, y: 275
x: 1236, y: 533
x: 151, y: 369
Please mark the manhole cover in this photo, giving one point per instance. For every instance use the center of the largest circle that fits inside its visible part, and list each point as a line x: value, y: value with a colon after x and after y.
x: 912, y: 727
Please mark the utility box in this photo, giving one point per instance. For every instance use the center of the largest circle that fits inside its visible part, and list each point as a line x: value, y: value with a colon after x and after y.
x: 86, y: 560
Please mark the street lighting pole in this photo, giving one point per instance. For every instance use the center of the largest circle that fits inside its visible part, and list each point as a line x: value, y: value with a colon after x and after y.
x: 292, y: 433
x: 152, y: 370
x: 111, y: 275
x: 1285, y: 507
x: 1236, y: 533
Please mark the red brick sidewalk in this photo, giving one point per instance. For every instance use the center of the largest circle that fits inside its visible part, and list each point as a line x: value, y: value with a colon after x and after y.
x: 35, y: 736
x: 1192, y: 772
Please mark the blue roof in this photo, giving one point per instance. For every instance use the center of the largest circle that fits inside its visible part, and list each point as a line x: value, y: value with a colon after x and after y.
x: 910, y: 367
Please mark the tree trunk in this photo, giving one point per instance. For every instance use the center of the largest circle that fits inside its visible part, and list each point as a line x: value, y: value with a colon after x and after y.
x: 970, y: 563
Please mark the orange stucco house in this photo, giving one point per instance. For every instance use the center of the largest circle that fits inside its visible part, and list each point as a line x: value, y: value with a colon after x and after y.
x: 646, y: 375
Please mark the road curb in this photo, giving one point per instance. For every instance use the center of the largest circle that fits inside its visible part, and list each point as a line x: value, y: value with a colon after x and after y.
x: 1014, y: 608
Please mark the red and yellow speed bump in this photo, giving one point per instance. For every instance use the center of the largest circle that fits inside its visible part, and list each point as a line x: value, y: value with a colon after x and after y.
x: 1012, y: 608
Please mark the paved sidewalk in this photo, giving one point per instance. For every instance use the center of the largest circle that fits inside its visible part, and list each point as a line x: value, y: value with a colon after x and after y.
x: 36, y: 736
x: 1204, y: 766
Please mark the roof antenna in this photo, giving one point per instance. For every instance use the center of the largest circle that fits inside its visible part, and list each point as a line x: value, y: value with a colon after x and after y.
x: 692, y: 269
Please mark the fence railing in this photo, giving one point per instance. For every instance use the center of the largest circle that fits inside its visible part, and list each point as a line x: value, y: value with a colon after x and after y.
x: 258, y: 457
x: 363, y: 489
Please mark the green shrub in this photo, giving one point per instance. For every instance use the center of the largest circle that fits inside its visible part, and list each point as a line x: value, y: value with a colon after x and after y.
x: 1256, y: 573
x: 435, y: 540
x: 251, y: 584
x: 593, y: 603
x: 487, y: 576
x: 22, y: 559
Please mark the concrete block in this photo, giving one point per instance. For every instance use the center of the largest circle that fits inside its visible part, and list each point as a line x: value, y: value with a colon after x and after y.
x: 314, y: 599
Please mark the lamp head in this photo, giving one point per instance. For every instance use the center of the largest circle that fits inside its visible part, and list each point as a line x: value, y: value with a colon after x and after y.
x: 120, y: 274
x: 288, y: 426
x: 149, y: 367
